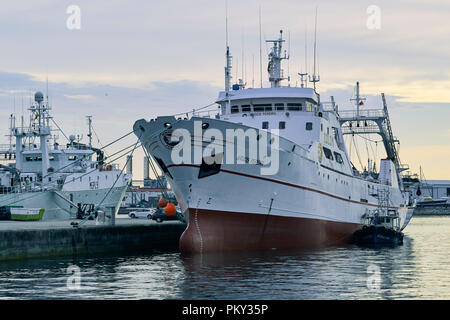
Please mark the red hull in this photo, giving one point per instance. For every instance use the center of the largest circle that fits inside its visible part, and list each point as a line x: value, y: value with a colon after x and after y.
x: 210, y: 230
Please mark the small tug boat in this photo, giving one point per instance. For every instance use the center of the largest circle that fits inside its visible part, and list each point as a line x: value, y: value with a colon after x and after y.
x: 380, y: 226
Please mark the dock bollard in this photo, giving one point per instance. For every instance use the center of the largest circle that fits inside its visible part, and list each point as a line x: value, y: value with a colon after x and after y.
x: 111, y: 215
x: 101, y: 217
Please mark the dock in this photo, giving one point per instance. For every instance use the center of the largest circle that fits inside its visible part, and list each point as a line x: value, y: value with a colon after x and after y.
x: 42, y: 239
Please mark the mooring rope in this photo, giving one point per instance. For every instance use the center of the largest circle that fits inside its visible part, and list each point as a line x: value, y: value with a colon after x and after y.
x: 112, y: 187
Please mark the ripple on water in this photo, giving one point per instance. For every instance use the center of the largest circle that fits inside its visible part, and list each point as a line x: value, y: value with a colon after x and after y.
x: 417, y: 269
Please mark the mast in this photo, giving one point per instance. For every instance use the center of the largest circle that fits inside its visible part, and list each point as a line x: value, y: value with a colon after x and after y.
x: 228, y: 62
x: 12, y: 121
x: 260, y: 48
x: 315, y: 78
x: 358, y: 100
x: 275, y: 58
x: 89, y: 118
x: 42, y: 130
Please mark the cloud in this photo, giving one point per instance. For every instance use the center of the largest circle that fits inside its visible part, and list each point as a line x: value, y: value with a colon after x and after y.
x: 80, y: 96
x: 114, y: 108
x: 149, y: 58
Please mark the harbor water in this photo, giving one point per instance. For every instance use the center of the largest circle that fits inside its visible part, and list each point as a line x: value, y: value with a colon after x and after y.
x: 418, y: 269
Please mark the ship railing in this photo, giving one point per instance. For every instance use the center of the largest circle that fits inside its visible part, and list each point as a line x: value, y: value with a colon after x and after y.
x: 212, y: 114
x: 369, y: 128
x: 210, y: 111
x: 12, y: 190
x: 5, y: 148
x: 29, y: 188
x: 363, y: 113
x: 328, y: 106
x: 106, y: 167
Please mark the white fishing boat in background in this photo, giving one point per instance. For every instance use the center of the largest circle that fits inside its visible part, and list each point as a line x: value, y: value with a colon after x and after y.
x: 63, y: 180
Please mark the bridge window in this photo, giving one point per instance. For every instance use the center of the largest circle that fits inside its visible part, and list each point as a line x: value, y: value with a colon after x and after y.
x: 29, y: 158
x: 72, y: 158
x: 282, y: 125
x: 328, y: 153
x: 261, y: 107
x: 265, y: 125
x: 269, y: 108
x: 309, y: 126
x: 246, y: 108
x: 338, y: 157
x: 294, y: 106
x: 279, y: 106
x: 234, y: 109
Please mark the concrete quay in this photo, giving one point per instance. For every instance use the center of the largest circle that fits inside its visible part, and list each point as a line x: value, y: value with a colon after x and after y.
x: 40, y: 239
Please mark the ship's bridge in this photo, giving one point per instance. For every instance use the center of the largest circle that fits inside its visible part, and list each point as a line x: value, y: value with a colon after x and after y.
x: 296, y: 112
x: 268, y: 99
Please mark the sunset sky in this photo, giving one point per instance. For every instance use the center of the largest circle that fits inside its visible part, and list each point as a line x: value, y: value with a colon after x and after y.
x: 140, y: 59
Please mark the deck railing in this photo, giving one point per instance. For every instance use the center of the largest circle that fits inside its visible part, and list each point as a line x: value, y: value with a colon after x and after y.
x: 364, y: 113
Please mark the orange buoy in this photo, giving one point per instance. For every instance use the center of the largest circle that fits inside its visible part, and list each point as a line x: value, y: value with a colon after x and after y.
x: 162, y: 202
x: 170, y: 209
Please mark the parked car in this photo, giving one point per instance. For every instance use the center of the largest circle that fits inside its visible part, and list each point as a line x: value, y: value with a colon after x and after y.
x: 148, y: 213
x: 159, y: 216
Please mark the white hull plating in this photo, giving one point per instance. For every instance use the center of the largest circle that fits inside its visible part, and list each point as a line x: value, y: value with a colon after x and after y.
x: 304, y: 187
x: 57, y: 208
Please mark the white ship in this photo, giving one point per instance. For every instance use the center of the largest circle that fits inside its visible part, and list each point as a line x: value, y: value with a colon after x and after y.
x: 63, y: 180
x: 234, y: 200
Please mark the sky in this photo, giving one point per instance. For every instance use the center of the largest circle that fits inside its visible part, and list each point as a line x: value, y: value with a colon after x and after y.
x: 139, y: 59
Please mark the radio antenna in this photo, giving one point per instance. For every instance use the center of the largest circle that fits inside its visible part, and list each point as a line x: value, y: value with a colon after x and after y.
x: 253, y: 71
x: 226, y: 23
x: 289, y: 55
x: 315, y: 78
x: 260, y: 48
x: 306, y: 48
x: 228, y: 56
x: 243, y: 56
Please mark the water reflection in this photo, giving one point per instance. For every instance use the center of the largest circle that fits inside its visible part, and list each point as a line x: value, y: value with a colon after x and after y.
x: 331, y: 273
x: 417, y: 269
